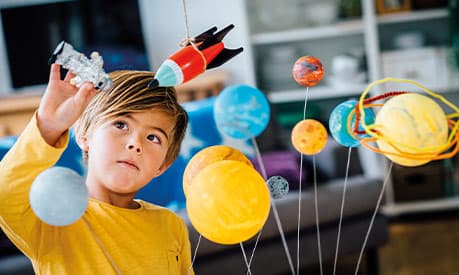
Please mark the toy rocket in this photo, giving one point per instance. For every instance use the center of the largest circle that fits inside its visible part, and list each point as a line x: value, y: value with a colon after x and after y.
x: 206, y: 52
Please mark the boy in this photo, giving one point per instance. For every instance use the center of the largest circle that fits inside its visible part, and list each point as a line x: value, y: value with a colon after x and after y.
x: 128, y: 135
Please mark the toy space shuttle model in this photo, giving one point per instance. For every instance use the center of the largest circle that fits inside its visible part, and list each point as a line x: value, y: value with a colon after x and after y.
x: 85, y: 69
x: 205, y: 51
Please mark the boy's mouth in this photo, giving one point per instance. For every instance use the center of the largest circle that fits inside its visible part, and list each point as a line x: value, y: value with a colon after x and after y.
x: 129, y: 163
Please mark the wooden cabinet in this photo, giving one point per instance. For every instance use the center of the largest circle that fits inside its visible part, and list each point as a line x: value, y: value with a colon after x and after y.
x: 15, y: 113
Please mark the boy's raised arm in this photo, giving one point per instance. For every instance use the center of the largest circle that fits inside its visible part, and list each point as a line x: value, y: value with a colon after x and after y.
x: 61, y: 105
x: 38, y: 148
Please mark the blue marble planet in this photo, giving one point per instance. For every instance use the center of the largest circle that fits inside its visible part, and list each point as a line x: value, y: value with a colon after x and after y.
x: 241, y: 111
x: 339, y: 121
x: 278, y: 186
x: 59, y: 196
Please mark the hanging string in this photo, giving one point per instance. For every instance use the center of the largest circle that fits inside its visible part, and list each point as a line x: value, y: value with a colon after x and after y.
x: 373, y: 218
x: 184, y: 43
x: 342, y: 209
x: 276, y: 215
x: 187, y: 29
x: 195, y: 253
x: 189, y: 40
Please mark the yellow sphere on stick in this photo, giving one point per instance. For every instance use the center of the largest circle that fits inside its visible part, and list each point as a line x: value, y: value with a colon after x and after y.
x: 208, y: 156
x: 229, y: 202
x: 413, y: 123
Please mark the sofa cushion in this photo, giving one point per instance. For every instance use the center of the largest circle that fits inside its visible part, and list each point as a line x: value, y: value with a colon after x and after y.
x: 361, y: 197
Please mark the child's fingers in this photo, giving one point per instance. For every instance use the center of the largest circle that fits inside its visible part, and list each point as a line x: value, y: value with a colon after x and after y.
x: 55, y: 72
x: 85, y: 93
x: 69, y: 76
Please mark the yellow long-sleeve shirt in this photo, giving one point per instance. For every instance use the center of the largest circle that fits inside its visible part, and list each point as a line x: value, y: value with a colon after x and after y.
x: 148, y: 240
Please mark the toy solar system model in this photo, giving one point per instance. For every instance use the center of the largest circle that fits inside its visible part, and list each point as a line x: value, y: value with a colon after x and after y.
x: 85, y: 69
x: 205, y: 51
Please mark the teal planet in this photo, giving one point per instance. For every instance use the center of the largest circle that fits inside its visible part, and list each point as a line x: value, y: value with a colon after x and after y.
x: 339, y: 120
x: 241, y: 111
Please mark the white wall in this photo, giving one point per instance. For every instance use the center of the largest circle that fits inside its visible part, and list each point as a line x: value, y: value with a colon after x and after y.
x: 164, y: 28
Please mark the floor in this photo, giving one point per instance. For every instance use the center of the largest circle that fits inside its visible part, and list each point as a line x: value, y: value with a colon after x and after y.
x: 424, y: 244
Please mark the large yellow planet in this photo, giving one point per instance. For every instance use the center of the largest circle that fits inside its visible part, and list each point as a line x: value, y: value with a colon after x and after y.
x: 208, y: 156
x: 413, y: 123
x: 229, y: 202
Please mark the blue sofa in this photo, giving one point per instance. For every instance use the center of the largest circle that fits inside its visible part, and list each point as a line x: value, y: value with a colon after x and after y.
x: 279, y: 159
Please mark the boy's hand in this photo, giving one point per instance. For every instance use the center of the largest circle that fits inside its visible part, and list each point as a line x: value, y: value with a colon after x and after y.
x: 61, y: 105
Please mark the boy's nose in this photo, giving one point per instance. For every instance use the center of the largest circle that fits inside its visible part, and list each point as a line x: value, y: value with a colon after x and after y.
x: 133, y: 147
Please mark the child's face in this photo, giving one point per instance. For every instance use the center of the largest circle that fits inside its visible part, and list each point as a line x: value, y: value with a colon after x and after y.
x: 126, y: 152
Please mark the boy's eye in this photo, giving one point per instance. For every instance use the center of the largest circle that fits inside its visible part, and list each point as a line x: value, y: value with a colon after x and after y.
x: 153, y: 138
x: 120, y: 125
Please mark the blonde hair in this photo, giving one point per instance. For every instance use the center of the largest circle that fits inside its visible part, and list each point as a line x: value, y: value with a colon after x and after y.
x: 130, y: 94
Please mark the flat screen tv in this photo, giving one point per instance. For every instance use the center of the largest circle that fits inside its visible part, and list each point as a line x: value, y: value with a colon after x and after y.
x: 32, y: 31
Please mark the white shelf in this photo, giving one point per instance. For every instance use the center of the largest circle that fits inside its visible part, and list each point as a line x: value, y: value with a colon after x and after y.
x: 325, y: 92
x: 412, y: 16
x: 319, y: 92
x: 340, y: 29
x: 398, y: 208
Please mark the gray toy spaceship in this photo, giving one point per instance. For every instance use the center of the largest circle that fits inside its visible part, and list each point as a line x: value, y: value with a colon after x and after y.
x: 85, y: 69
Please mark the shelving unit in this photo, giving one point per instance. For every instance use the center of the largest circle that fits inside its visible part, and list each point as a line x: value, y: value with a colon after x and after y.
x: 367, y: 30
x: 395, y: 209
x: 344, y: 28
x: 352, y: 32
x: 367, y: 26
x: 320, y: 92
x: 401, y: 17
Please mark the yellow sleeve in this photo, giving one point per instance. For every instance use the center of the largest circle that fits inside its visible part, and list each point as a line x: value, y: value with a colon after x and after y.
x: 28, y: 157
